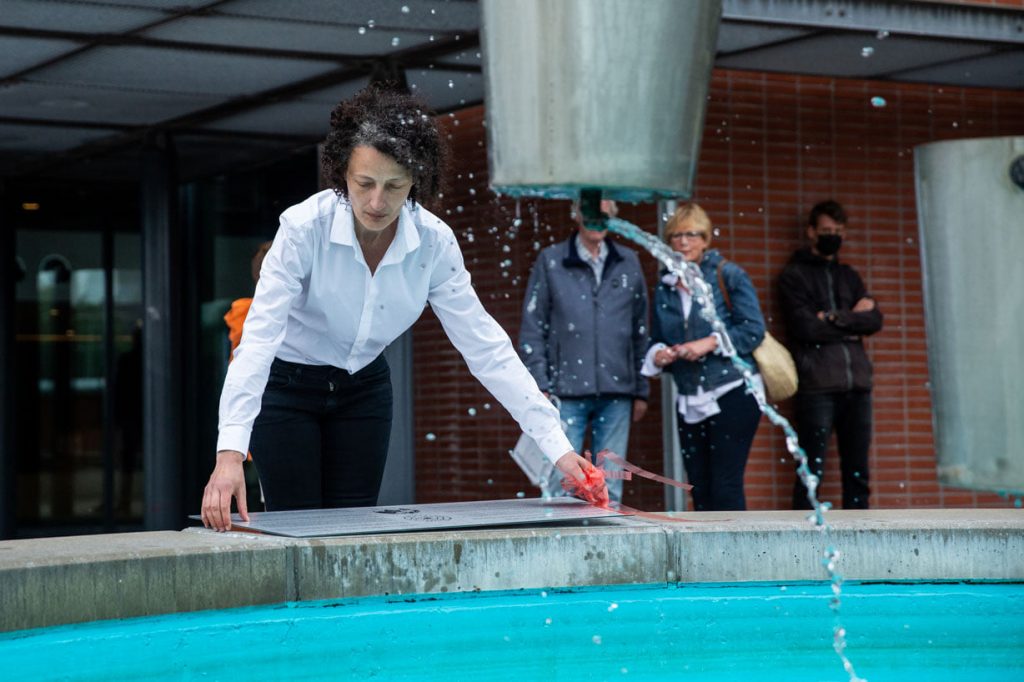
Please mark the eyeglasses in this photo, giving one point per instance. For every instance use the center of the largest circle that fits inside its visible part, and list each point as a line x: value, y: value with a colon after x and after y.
x: 677, y: 236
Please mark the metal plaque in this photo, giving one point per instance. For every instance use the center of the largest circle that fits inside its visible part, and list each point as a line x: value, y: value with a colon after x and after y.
x: 312, y: 523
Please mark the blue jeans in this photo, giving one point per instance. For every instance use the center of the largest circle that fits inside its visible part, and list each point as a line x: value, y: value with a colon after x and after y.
x: 610, y: 419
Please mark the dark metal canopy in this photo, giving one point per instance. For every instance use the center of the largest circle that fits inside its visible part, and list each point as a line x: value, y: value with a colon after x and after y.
x: 82, y: 81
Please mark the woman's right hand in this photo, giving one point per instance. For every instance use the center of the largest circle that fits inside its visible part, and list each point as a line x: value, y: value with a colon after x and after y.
x: 577, y: 468
x: 226, y: 481
x: 665, y: 356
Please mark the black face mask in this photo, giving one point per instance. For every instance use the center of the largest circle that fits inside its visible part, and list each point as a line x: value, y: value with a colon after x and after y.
x: 828, y: 244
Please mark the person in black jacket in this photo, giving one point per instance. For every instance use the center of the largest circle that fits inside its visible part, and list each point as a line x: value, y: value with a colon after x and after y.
x: 827, y: 312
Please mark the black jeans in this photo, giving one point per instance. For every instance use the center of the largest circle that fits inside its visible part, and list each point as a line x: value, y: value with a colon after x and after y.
x: 321, y: 438
x: 715, y: 452
x: 849, y: 413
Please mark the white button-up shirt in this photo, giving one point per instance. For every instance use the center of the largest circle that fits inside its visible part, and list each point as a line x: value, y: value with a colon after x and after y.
x: 597, y: 262
x: 317, y: 303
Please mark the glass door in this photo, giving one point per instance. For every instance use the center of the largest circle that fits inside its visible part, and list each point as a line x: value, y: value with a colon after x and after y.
x: 78, y: 376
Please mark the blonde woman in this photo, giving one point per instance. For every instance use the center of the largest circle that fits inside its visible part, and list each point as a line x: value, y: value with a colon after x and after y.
x: 717, y: 416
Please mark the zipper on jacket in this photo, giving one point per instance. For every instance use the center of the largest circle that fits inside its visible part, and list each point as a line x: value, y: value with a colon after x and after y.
x: 842, y: 344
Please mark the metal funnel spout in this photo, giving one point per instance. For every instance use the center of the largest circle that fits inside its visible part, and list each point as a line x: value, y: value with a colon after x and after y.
x: 600, y: 95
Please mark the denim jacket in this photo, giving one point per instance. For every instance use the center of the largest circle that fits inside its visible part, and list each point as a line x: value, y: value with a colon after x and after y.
x: 744, y: 323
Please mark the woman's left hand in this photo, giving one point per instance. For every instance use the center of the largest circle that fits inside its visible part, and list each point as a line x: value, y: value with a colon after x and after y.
x: 577, y: 468
x: 695, y: 350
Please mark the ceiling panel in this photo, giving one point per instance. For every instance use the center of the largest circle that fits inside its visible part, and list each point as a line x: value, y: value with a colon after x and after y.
x: 22, y: 138
x: 17, y: 54
x: 297, y: 117
x: 446, y: 90
x: 734, y: 36
x: 851, y: 55
x: 333, y: 95
x: 463, y: 58
x: 166, y: 5
x: 164, y: 70
x: 424, y: 15
x: 1002, y: 70
x: 92, y: 104
x: 86, y: 17
x: 205, y: 155
x: 286, y: 35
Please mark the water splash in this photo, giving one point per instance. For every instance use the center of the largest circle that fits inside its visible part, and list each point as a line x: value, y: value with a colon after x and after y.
x: 690, y: 274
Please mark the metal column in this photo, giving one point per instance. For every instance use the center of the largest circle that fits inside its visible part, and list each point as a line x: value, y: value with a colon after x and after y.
x: 8, y: 279
x: 675, y: 499
x: 162, y: 344
x: 399, y: 485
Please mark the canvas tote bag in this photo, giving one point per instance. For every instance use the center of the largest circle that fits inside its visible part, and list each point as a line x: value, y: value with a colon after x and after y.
x: 778, y: 371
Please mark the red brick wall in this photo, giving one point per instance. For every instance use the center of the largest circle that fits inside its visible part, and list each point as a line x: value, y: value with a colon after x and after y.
x: 773, y: 146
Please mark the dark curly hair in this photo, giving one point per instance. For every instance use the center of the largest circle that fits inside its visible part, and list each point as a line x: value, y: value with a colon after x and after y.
x: 394, y: 123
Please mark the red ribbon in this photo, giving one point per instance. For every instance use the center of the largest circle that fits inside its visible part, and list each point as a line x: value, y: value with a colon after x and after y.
x: 592, y: 488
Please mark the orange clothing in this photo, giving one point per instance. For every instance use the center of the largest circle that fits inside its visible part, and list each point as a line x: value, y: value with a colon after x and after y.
x: 235, y: 318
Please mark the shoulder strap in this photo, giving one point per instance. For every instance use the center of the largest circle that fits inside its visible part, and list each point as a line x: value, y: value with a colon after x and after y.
x: 722, y: 287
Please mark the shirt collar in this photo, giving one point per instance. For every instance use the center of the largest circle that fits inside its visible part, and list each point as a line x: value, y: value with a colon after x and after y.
x: 407, y: 237
x: 587, y: 257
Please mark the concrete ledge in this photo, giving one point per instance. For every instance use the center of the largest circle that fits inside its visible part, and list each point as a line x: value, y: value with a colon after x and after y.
x: 601, y: 553
x: 94, y: 577
x: 68, y: 580
x: 975, y: 544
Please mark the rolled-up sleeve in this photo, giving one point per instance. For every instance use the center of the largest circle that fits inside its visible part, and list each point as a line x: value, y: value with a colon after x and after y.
x: 489, y: 353
x: 286, y: 266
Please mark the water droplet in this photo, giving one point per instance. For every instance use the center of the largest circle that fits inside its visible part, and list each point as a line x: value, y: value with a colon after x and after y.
x: 878, y: 102
x: 520, y: 494
x: 451, y: 83
x: 405, y: 9
x: 596, y: 639
x: 882, y: 35
x: 867, y: 52
x: 431, y: 437
x: 371, y: 23
x: 395, y: 41
x: 471, y: 412
x: 362, y: 30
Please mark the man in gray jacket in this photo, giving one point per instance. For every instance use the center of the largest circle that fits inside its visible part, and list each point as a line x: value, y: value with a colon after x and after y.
x: 584, y: 337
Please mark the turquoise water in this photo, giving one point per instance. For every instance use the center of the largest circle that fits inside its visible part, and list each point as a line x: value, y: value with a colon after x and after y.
x: 764, y: 632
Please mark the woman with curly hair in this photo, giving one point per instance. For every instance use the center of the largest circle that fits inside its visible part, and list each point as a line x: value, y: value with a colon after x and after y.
x: 351, y: 268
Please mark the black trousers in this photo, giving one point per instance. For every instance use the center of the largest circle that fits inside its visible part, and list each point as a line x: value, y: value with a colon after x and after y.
x: 715, y: 452
x: 849, y: 413
x: 321, y: 438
